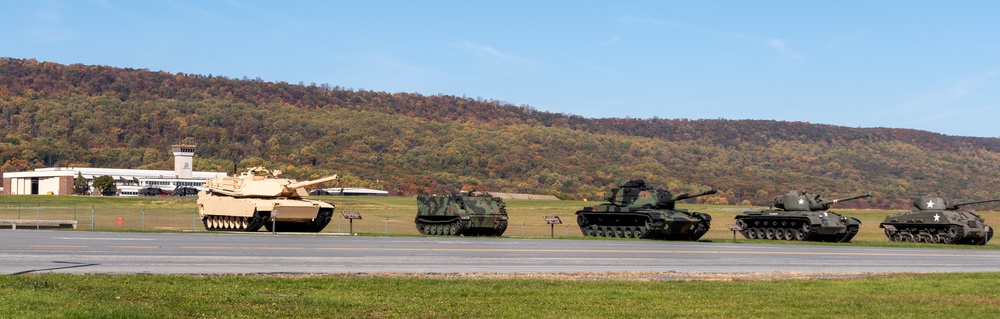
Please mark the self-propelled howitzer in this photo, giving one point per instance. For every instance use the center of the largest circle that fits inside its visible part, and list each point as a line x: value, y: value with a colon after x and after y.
x: 939, y: 220
x: 259, y: 197
x: 798, y: 215
x: 635, y: 210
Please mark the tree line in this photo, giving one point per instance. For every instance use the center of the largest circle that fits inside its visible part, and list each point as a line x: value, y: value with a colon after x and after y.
x: 407, y: 143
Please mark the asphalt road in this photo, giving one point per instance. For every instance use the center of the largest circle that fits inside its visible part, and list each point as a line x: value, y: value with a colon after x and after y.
x: 41, y: 251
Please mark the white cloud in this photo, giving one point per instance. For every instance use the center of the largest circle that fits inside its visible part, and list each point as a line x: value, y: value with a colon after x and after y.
x: 964, y: 87
x: 783, y: 49
x: 778, y: 45
x: 488, y: 51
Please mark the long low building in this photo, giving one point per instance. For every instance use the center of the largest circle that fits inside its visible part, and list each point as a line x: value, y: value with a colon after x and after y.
x: 59, y: 180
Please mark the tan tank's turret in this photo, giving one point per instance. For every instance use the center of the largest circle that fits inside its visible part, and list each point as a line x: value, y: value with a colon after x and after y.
x: 258, y: 182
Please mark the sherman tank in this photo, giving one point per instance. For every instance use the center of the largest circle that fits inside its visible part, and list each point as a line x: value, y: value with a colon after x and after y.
x: 461, y: 214
x: 255, y: 197
x: 939, y: 220
x: 798, y: 215
x: 634, y: 210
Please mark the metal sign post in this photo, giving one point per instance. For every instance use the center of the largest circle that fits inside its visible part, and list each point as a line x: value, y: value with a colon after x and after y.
x: 734, y: 228
x: 351, y: 216
x: 552, y: 221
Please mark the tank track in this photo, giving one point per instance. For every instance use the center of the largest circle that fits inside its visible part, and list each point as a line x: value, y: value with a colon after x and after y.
x: 640, y: 226
x: 790, y: 229
x: 262, y: 219
x: 930, y: 233
x: 457, y: 227
x: 235, y: 223
x: 323, y: 218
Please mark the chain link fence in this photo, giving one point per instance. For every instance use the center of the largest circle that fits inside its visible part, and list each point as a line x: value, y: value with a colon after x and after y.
x: 138, y: 218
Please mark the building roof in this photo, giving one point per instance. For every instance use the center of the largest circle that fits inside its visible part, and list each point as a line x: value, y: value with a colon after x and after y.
x: 113, y: 172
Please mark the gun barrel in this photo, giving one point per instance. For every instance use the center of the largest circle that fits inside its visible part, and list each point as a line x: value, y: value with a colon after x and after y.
x: 868, y: 194
x: 686, y: 196
x: 310, y: 183
x: 955, y: 206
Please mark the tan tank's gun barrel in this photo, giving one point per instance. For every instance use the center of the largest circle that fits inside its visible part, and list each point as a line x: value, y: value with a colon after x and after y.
x: 686, y: 196
x: 868, y: 194
x: 955, y: 206
x: 310, y: 183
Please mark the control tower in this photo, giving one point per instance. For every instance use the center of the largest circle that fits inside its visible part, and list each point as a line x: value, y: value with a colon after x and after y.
x: 183, y: 160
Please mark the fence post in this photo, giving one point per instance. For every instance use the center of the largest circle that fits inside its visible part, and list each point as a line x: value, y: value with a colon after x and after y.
x: 194, y: 221
x: 74, y: 213
x: 522, y: 228
x: 92, y: 217
x: 386, y: 225
x: 38, y: 216
x: 142, y: 219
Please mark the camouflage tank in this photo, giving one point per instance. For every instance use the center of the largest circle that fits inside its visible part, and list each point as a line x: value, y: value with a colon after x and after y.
x: 798, y: 215
x: 250, y: 200
x: 635, y: 210
x: 461, y: 214
x: 938, y: 220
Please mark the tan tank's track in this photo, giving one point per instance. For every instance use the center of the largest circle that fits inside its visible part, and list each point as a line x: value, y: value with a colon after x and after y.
x: 232, y: 223
x: 650, y: 230
x: 942, y: 234
x: 459, y: 228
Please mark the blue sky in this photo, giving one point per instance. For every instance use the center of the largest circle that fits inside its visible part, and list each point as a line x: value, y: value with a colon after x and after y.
x: 928, y: 65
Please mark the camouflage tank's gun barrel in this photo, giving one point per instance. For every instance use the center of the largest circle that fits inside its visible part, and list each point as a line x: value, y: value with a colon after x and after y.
x: 955, y: 206
x: 868, y: 194
x: 310, y: 183
x: 686, y: 196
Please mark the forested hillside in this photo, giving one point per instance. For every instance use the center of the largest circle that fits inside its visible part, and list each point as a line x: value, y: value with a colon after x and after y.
x: 79, y: 115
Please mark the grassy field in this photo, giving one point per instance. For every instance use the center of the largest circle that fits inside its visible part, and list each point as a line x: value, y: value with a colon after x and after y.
x: 383, y: 216
x: 144, y: 296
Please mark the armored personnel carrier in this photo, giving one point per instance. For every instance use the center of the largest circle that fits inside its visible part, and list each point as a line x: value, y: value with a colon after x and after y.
x: 461, y: 214
x: 798, y: 215
x: 635, y: 210
x: 939, y: 220
x: 255, y: 197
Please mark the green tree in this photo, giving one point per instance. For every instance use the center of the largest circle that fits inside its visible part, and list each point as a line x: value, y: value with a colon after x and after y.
x: 80, y: 186
x: 105, y: 184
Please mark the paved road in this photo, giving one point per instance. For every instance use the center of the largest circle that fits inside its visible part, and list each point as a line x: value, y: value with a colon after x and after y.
x: 35, y: 251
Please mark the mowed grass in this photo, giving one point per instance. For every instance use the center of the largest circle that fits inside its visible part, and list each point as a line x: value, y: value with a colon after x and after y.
x: 975, y: 295
x: 393, y: 216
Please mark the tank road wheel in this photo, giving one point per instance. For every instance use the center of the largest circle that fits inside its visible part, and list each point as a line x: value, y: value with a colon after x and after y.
x: 787, y: 233
x: 769, y: 233
x: 628, y: 231
x: 797, y: 234
x: 779, y: 233
x: 620, y: 231
x: 590, y: 230
x: 752, y: 233
x: 637, y: 232
x: 600, y: 231
x: 453, y: 229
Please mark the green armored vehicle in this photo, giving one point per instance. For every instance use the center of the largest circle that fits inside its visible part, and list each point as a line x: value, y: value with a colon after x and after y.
x: 798, y: 215
x: 635, y: 210
x: 461, y: 214
x: 260, y: 198
x: 938, y: 220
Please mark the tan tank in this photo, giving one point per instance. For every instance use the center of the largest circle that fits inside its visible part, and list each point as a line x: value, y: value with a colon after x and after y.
x: 250, y: 200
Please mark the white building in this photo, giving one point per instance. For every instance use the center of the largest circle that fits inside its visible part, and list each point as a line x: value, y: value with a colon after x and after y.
x: 59, y: 180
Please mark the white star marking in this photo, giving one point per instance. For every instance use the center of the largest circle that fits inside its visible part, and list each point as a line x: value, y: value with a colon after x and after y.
x: 801, y: 201
x: 930, y: 204
x: 937, y: 217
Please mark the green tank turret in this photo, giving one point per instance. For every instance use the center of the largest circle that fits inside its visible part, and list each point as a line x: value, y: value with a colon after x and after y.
x: 798, y: 215
x: 261, y: 198
x: 469, y: 213
x: 939, y: 220
x: 635, y: 210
